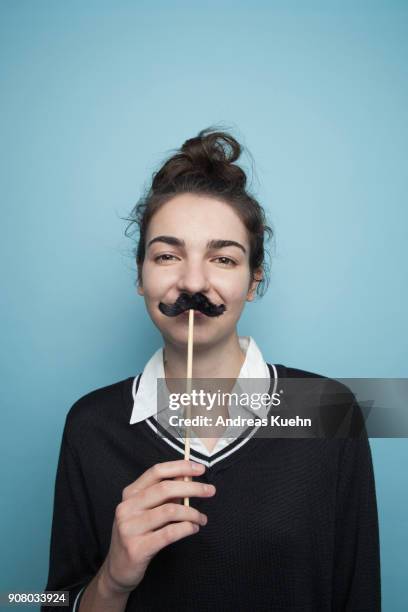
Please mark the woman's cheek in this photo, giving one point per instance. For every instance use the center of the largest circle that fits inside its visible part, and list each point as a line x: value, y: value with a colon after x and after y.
x: 157, y: 282
x: 234, y: 289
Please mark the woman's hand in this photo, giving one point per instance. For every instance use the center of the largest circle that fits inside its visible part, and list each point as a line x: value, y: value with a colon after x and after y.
x: 150, y: 517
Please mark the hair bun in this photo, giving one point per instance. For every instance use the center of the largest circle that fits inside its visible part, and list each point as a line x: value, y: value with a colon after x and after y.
x: 213, y: 147
x: 209, y: 155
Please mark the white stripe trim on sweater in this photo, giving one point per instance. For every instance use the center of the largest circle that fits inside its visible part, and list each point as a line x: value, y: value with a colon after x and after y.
x: 74, y: 609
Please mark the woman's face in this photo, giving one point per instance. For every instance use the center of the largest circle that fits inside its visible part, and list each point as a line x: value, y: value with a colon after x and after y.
x: 180, y: 259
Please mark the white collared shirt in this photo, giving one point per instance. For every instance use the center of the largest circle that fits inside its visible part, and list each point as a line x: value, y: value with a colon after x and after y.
x: 145, y: 402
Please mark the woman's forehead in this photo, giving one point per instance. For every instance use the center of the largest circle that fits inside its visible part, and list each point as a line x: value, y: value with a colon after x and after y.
x: 197, y: 217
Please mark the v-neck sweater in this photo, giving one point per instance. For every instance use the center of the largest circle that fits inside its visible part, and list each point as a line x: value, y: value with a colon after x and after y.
x: 292, y: 527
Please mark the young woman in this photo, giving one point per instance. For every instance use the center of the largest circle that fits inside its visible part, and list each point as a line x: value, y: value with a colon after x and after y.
x: 273, y: 524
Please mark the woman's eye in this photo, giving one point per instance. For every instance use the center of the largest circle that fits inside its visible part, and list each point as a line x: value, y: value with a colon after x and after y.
x: 164, y: 257
x: 227, y: 261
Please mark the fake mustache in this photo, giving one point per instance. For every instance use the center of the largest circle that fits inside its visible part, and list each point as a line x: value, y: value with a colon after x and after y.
x: 197, y: 301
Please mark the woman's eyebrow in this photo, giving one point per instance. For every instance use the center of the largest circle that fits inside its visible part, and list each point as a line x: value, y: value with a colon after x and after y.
x: 220, y: 244
x: 168, y: 240
x: 211, y: 244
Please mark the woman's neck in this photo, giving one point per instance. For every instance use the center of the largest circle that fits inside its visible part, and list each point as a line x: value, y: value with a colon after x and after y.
x: 222, y: 360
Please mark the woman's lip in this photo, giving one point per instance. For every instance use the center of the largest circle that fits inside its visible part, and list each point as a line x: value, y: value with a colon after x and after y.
x: 197, y: 313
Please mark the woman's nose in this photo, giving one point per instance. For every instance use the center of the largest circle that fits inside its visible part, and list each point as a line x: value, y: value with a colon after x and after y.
x: 193, y: 279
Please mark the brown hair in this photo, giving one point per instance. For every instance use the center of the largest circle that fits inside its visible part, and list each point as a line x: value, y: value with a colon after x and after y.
x: 205, y: 165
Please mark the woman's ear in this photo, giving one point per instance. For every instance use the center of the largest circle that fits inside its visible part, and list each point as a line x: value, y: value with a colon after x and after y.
x: 256, y: 279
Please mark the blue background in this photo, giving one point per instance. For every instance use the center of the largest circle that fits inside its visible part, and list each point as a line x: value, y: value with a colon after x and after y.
x: 94, y: 96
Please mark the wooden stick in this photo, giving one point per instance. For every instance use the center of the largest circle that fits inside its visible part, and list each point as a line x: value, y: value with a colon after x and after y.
x: 188, y: 390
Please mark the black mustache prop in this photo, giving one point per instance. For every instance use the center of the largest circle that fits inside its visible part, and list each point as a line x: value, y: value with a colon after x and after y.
x: 198, y: 301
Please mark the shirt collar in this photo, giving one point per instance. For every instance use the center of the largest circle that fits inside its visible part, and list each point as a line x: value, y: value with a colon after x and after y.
x: 145, y: 400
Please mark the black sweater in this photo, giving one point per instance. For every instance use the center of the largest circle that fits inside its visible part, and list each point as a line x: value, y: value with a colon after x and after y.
x: 293, y: 524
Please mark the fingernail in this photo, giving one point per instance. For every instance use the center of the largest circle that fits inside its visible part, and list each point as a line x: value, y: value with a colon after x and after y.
x: 197, y: 467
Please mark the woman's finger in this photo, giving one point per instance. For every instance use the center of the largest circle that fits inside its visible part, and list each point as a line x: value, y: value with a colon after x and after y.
x: 160, y: 471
